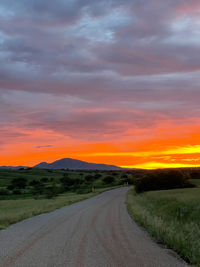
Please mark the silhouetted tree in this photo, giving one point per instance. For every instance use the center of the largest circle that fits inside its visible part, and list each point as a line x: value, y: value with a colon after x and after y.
x: 18, y: 183
x: 108, y: 179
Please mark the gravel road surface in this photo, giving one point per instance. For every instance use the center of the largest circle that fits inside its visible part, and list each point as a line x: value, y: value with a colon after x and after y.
x: 96, y: 232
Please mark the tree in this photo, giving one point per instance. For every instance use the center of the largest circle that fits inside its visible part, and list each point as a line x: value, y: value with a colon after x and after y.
x: 44, y: 179
x: 108, y: 179
x: 18, y: 183
x: 4, y: 192
x: 38, y: 188
x: 51, y: 191
x: 89, y: 178
x: 97, y: 176
x: 69, y: 182
x: 161, y: 180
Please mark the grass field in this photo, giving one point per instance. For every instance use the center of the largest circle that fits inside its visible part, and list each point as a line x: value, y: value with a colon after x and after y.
x: 172, y: 217
x: 43, y: 190
x: 12, y: 211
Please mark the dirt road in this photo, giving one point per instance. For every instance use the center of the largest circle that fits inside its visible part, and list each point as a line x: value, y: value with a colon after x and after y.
x: 97, y: 232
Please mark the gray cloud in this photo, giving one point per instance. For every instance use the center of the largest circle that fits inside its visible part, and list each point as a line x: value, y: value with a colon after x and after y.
x: 117, y: 55
x: 44, y: 146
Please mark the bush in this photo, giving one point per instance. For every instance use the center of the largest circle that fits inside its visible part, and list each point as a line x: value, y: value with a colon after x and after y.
x: 51, y: 191
x: 38, y: 188
x: 44, y: 179
x: 108, y: 179
x: 18, y: 183
x: 69, y: 182
x: 17, y: 192
x: 195, y: 175
x: 4, y: 192
x: 34, y: 182
x: 10, y: 187
x: 97, y: 176
x: 89, y: 178
x: 126, y: 179
x: 161, y: 180
x: 124, y: 176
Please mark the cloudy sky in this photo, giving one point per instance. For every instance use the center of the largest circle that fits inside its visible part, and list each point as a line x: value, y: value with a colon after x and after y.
x: 113, y: 81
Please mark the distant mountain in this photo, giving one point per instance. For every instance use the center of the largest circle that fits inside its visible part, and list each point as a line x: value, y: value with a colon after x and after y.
x: 74, y: 164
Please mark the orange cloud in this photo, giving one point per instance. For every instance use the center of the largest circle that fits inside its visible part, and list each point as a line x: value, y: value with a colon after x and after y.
x: 169, y: 146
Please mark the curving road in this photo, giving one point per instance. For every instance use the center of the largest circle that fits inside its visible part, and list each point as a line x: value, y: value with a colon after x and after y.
x: 96, y: 232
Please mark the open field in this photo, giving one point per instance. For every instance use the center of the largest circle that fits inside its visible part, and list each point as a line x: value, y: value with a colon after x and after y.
x: 6, y: 175
x: 30, y: 197
x: 43, y: 183
x: 172, y: 217
x: 12, y: 211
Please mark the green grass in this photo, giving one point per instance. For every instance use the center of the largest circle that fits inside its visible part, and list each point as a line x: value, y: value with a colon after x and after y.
x: 16, y: 207
x: 12, y: 211
x: 6, y: 175
x: 172, y: 217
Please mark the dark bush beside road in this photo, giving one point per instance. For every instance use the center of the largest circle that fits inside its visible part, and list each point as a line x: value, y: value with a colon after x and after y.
x: 161, y: 180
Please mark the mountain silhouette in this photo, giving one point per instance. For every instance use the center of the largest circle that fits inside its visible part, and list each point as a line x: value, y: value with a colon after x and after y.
x: 74, y: 164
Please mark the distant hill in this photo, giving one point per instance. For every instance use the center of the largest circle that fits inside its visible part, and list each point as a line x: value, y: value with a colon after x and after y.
x: 74, y: 164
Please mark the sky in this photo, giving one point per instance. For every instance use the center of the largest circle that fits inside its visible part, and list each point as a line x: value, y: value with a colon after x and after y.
x: 110, y: 81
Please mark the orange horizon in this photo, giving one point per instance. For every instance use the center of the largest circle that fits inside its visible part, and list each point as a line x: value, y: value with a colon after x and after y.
x: 177, y: 147
x: 119, y: 86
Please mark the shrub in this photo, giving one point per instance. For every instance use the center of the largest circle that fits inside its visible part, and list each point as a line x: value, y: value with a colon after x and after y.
x: 51, y: 191
x: 108, y: 179
x: 126, y: 179
x: 4, y: 192
x: 69, y: 182
x: 161, y: 180
x: 44, y: 180
x: 97, y: 176
x: 17, y: 192
x: 10, y: 187
x: 195, y: 175
x: 89, y: 178
x: 124, y: 176
x: 34, y: 182
x: 19, y: 183
x: 38, y: 188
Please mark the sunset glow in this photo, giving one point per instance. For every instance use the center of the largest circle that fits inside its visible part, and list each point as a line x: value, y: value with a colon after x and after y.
x: 113, y: 82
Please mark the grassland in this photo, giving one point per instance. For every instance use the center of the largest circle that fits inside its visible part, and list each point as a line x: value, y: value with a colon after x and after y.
x: 31, y: 199
x: 12, y: 211
x: 172, y: 217
x: 6, y: 175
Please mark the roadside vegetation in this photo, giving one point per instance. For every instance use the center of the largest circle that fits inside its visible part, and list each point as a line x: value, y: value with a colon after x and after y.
x: 161, y: 180
x: 172, y: 216
x: 28, y: 192
x: 12, y: 211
